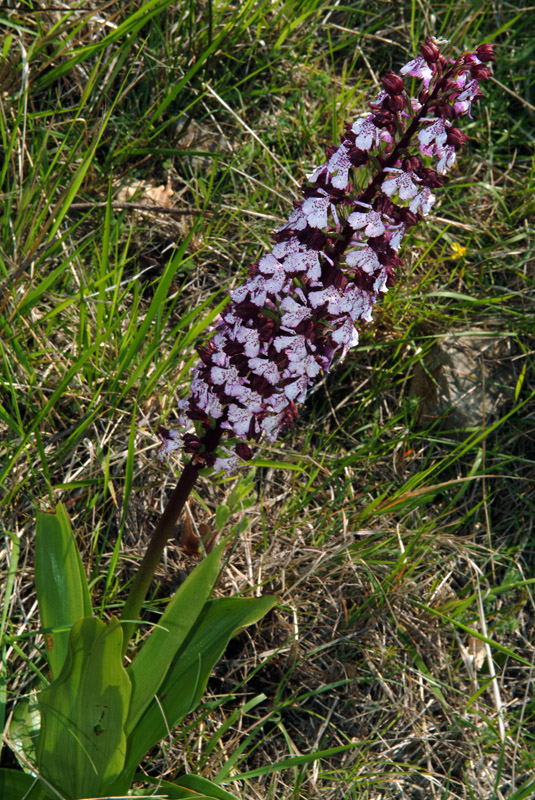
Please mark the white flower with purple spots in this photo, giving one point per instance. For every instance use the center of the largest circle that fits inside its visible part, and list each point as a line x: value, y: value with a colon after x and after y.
x: 365, y: 258
x: 423, y: 201
x: 305, y: 366
x: 282, y: 249
x: 295, y: 347
x: 360, y: 302
x: 395, y: 235
x: 337, y: 167
x: 297, y: 391
x: 447, y: 159
x: 238, y: 295
x: 316, y: 209
x: 239, y: 420
x: 296, y: 221
x: 212, y: 406
x: 367, y: 135
x: 294, y: 313
x: 272, y: 424
x: 433, y: 136
x: 345, y: 335
x: 371, y: 221
x: 380, y: 282
x: 171, y: 441
x: 418, y: 68
x: 402, y: 182
x: 228, y: 465
x: 226, y: 377
x: 266, y: 369
x: 337, y: 303
x: 463, y: 103
x: 250, y: 338
x: 304, y: 260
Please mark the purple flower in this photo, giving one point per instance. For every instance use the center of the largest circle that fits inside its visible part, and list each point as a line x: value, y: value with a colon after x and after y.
x: 418, y: 68
x: 337, y: 167
x: 402, y: 183
x: 296, y: 314
x: 433, y: 136
x: 366, y: 258
x: 366, y: 134
x: 371, y: 221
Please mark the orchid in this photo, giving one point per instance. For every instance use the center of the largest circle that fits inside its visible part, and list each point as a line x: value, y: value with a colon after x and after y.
x: 297, y: 312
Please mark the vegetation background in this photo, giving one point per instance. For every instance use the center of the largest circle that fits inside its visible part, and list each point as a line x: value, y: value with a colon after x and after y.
x: 150, y: 146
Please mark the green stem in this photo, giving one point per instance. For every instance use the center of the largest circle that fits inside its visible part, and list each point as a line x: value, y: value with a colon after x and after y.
x: 164, y: 529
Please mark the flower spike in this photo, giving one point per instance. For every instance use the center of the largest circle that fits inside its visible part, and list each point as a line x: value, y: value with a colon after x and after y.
x: 336, y: 255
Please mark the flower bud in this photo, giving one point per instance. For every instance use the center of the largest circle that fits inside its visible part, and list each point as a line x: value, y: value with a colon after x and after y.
x: 456, y: 137
x: 243, y: 450
x: 480, y: 72
x: 205, y: 353
x: 411, y: 164
x: 430, y: 178
x: 358, y: 157
x: 408, y: 217
x: 393, y: 83
x: 395, y: 103
x: 423, y: 97
x: 430, y: 51
x: 383, y: 119
x: 192, y: 443
x: 485, y: 52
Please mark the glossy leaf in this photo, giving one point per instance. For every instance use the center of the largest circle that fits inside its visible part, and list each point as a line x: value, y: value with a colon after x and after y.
x: 188, y: 674
x: 24, y: 730
x: 82, y: 744
x: 60, y: 581
x: 149, y: 667
x: 15, y: 785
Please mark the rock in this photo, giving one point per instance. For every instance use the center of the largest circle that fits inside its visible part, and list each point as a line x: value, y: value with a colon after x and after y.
x: 465, y: 380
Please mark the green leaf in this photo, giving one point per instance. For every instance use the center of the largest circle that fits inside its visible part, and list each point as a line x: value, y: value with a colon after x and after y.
x: 9, y: 583
x: 221, y: 515
x: 188, y: 787
x: 82, y: 744
x: 16, y: 785
x: 60, y: 581
x: 202, y: 785
x: 150, y: 665
x: 24, y: 730
x: 188, y: 674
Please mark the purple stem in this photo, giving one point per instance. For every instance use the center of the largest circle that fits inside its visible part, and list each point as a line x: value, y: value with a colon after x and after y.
x: 164, y: 529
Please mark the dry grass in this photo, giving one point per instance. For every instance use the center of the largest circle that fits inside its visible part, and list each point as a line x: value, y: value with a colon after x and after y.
x: 402, y: 556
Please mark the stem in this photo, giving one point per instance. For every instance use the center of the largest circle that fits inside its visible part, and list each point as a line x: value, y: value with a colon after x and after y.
x: 160, y: 536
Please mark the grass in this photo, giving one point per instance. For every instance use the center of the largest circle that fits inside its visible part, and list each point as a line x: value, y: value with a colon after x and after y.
x: 399, y: 663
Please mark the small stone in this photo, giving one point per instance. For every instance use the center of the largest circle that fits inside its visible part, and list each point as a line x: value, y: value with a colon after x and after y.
x: 465, y: 380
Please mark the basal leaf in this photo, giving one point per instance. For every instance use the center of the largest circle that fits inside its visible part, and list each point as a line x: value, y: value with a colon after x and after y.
x: 188, y: 674
x: 61, y: 585
x: 82, y: 744
x: 15, y: 785
x: 24, y: 730
x: 150, y: 665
